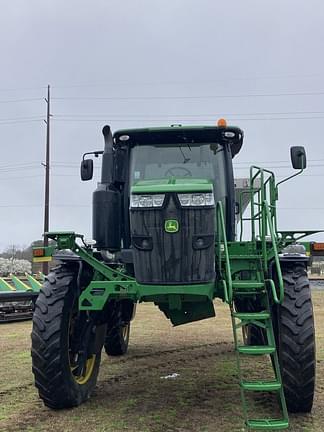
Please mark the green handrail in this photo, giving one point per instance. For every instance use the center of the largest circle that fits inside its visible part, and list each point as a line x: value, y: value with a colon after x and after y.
x: 264, y: 222
x: 266, y: 219
x: 221, y: 237
x: 259, y: 193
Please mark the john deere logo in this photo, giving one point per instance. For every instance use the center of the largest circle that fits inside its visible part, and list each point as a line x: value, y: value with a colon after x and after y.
x: 171, y: 226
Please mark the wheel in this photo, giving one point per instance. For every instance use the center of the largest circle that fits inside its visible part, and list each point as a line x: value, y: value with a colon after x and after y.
x: 65, y: 352
x: 295, y: 338
x: 117, y: 338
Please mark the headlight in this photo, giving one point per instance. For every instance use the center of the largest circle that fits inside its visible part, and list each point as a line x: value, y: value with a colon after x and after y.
x: 196, y: 199
x: 146, y: 201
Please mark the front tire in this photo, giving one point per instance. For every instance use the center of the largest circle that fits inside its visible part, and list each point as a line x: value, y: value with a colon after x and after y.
x: 295, y: 338
x: 117, y: 339
x: 64, y: 357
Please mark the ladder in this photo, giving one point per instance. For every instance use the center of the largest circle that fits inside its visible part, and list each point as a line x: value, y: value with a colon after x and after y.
x: 237, y: 290
x: 261, y: 320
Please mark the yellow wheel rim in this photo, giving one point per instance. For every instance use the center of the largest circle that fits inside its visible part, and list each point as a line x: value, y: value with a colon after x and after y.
x: 125, y: 331
x: 86, y: 375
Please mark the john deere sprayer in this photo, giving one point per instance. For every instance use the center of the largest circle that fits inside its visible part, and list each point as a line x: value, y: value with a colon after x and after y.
x: 168, y: 228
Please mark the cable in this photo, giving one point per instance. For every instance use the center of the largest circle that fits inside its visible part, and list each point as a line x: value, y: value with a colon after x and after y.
x: 227, y: 79
x: 300, y: 208
x: 248, y: 95
x: 159, y: 116
x: 40, y: 116
x: 274, y: 161
x: 22, y: 121
x: 179, y: 120
x: 21, y: 100
x: 41, y: 205
x: 22, y: 89
x: 89, y: 205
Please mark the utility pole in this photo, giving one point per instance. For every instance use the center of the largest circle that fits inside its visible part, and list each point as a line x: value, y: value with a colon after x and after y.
x: 47, y: 172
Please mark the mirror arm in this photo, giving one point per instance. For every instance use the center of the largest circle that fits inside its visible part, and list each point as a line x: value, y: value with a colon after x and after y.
x: 95, y: 153
x: 290, y: 177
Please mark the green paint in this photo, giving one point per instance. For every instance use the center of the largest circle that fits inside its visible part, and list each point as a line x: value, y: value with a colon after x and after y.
x: 242, y: 268
x: 171, y: 226
x: 98, y: 292
x: 5, y: 286
x: 34, y: 283
x: 171, y: 185
x: 19, y: 284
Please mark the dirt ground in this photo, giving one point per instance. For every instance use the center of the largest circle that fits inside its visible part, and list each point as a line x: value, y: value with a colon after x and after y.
x: 132, y: 393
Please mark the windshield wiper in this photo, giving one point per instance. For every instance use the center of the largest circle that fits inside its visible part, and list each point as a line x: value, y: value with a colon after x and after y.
x: 185, y: 159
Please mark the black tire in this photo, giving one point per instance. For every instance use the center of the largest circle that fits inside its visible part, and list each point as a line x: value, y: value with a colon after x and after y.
x: 116, y: 341
x: 295, y: 337
x: 63, y: 375
x: 254, y: 335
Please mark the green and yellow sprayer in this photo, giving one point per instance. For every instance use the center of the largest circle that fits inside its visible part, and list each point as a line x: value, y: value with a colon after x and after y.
x: 169, y: 227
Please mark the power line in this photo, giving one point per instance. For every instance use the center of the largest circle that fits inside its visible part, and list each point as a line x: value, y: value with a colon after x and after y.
x: 40, y: 205
x: 73, y: 166
x: 22, y: 118
x: 22, y: 89
x: 128, y: 120
x: 21, y: 100
x: 159, y: 116
x: 89, y: 206
x: 18, y: 164
x: 300, y: 208
x: 223, y: 79
x: 76, y: 177
x: 36, y: 176
x: 20, y: 169
x: 277, y: 167
x: 21, y: 121
x: 274, y: 162
x: 157, y: 97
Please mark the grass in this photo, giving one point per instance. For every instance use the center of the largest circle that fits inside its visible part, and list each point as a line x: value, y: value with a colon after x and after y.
x: 204, y: 397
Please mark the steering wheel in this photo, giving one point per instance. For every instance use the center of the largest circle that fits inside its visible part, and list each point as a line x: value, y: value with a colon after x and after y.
x: 170, y: 171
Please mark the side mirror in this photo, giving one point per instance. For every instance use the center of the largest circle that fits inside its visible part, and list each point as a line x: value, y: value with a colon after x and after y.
x: 298, y: 157
x: 86, y: 170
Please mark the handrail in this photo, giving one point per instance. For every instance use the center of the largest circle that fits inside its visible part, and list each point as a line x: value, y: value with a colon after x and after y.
x: 221, y: 237
x: 266, y: 220
x: 267, y: 192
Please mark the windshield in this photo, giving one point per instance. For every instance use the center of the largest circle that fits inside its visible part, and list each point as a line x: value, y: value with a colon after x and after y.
x: 183, y: 161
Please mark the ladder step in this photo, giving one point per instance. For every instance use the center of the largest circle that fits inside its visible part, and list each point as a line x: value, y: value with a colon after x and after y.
x: 261, y: 385
x: 256, y: 349
x: 245, y: 258
x: 248, y: 284
x: 248, y: 316
x: 268, y: 424
x: 247, y: 293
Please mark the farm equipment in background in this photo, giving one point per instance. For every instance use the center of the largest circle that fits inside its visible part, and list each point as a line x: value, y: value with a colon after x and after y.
x: 168, y: 229
x: 17, y: 297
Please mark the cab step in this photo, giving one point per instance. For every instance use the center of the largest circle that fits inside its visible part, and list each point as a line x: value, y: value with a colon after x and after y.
x: 267, y: 424
x: 261, y: 385
x: 256, y: 349
x: 247, y: 293
x: 247, y: 284
x: 246, y: 258
x: 248, y: 316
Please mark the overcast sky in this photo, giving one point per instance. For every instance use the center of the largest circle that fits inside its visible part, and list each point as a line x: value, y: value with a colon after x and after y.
x: 257, y: 63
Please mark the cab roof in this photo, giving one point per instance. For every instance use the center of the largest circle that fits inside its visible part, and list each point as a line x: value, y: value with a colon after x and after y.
x: 229, y: 135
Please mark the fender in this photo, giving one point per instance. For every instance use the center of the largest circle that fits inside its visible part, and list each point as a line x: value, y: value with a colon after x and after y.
x: 294, y: 253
